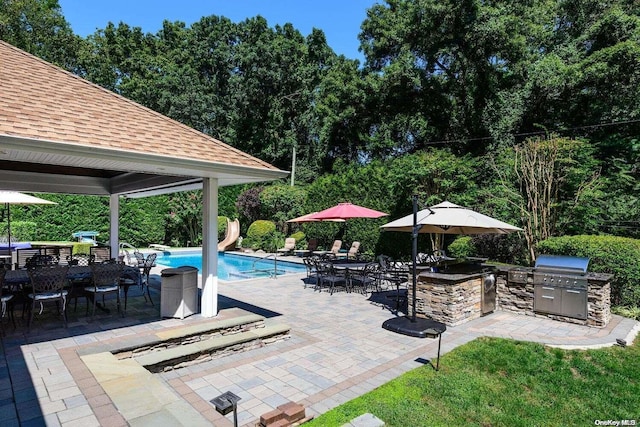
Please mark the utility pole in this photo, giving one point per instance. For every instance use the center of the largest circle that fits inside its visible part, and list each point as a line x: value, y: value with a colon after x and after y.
x: 293, y: 166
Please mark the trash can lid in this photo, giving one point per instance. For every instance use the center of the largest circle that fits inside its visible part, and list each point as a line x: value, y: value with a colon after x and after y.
x: 178, y: 270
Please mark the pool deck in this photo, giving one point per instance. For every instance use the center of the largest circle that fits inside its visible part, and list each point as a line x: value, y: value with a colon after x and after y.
x: 337, y: 351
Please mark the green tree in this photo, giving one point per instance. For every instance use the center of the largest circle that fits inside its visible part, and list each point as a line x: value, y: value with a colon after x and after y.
x: 280, y: 202
x: 38, y: 27
x: 557, y: 188
x: 185, y: 218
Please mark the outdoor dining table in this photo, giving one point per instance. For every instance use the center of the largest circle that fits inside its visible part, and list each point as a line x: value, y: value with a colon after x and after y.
x: 14, y: 278
x: 348, y: 268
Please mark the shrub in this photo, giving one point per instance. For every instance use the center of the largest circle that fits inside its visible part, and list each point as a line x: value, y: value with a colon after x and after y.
x: 506, y: 248
x: 260, y: 235
x: 222, y: 227
x: 462, y: 247
x: 248, y: 205
x: 81, y: 248
x: 281, y: 203
x: 630, y: 312
x: 299, y: 236
x: 609, y: 254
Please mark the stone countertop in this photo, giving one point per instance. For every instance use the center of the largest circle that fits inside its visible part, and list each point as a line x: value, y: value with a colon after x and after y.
x: 452, y: 276
x: 591, y: 276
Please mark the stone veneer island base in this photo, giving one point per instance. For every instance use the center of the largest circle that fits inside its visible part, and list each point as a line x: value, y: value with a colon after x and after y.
x: 456, y: 298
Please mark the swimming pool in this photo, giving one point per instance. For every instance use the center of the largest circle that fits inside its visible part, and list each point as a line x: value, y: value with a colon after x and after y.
x: 232, y: 266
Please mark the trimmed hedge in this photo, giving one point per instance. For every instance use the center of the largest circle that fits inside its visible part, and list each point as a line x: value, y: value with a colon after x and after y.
x: 462, y: 247
x: 619, y: 256
x: 261, y: 235
x: 81, y: 248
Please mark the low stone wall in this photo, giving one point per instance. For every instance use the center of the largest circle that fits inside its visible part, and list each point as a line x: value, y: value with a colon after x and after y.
x: 516, y: 297
x: 451, y: 302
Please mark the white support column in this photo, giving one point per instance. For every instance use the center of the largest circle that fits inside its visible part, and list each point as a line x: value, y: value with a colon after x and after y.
x: 114, y: 225
x: 209, y: 302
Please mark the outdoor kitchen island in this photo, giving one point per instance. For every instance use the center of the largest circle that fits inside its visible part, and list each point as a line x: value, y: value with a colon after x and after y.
x: 461, y: 294
x: 454, y: 296
x: 520, y: 291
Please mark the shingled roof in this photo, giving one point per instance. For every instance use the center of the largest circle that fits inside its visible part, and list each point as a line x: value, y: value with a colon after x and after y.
x: 53, y: 122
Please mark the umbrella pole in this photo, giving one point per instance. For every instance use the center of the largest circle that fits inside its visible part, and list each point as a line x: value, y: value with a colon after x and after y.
x: 9, y: 225
x: 414, y: 255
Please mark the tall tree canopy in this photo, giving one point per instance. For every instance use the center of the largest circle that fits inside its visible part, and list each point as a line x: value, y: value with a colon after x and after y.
x: 480, y: 73
x: 38, y: 27
x: 448, y: 79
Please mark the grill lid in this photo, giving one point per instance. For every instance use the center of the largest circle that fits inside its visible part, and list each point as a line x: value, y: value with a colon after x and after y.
x: 562, y: 262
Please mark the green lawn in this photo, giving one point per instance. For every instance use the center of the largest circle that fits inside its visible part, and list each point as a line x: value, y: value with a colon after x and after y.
x: 500, y: 382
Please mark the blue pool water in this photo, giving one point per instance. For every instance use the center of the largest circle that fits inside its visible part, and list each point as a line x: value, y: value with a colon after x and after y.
x: 231, y: 266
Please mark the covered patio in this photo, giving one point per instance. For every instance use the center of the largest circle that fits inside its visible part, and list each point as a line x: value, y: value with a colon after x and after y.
x: 62, y: 134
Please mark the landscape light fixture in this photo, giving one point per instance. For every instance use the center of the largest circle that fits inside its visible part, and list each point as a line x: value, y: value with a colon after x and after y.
x: 226, y: 403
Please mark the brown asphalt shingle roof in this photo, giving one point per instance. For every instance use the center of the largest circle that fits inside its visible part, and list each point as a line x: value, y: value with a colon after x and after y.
x: 41, y: 101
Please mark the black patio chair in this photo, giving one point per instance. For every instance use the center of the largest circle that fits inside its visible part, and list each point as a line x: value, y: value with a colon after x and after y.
x: 5, y: 297
x: 47, y: 285
x: 330, y: 276
x: 78, y: 284
x: 394, y: 274
x: 364, y: 279
x: 149, y: 262
x: 105, y: 279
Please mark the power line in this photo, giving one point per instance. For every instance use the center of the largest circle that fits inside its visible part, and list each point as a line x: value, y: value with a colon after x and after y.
x: 542, y: 132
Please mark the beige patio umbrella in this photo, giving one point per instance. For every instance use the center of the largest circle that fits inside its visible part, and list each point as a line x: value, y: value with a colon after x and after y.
x: 449, y: 218
x: 15, y: 198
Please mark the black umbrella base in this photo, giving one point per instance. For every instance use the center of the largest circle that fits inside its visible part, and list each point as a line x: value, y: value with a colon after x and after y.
x: 420, y: 328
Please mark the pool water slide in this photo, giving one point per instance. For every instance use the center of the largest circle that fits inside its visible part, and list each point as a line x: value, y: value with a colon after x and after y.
x: 233, y: 232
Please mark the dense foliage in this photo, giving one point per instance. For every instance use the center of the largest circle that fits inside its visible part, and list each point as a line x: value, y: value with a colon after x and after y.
x: 608, y: 254
x: 525, y: 111
x: 462, y: 247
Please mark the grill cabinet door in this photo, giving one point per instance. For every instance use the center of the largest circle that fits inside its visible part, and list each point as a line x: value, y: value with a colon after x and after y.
x: 574, y: 303
x: 547, y: 299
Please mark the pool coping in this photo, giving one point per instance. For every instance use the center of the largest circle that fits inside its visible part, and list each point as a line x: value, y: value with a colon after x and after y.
x: 259, y: 255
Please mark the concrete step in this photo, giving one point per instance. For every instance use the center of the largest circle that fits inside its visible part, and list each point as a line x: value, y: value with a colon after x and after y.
x: 207, y: 349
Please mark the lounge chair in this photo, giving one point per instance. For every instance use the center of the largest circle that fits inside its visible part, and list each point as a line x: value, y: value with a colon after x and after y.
x: 159, y: 247
x: 353, y: 250
x: 312, y: 245
x: 289, y: 246
x: 335, y: 249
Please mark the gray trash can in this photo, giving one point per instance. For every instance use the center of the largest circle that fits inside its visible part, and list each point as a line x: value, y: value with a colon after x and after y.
x: 179, y: 292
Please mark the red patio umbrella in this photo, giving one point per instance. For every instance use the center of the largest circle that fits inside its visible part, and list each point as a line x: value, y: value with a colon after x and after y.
x: 346, y: 211
x: 307, y: 218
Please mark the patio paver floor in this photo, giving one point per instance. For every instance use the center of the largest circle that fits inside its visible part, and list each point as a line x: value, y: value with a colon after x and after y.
x: 337, y: 351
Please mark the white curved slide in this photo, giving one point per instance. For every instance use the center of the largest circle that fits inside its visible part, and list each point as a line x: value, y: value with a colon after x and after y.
x: 233, y: 232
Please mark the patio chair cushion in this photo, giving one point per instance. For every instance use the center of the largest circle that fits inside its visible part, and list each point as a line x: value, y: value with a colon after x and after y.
x: 289, y: 245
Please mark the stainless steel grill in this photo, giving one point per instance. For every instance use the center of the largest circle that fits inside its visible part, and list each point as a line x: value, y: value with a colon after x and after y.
x: 560, y: 285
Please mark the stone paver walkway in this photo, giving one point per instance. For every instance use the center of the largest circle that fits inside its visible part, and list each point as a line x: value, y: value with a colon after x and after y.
x: 337, y: 351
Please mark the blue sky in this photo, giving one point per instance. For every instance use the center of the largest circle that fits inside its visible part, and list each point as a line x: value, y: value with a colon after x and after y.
x: 339, y: 19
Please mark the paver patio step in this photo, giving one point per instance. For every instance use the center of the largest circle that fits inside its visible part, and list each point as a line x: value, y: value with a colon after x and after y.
x: 242, y: 321
x: 157, y: 360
